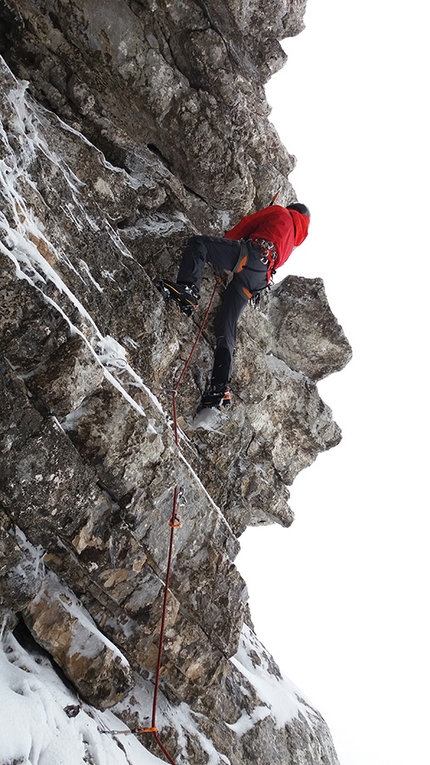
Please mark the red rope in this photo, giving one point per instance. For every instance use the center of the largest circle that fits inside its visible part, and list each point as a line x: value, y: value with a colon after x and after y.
x: 187, y: 363
x: 174, y: 523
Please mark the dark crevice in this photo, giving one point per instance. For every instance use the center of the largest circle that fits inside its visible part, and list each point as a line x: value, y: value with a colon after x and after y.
x: 10, y: 22
x: 155, y: 150
x: 26, y: 640
x: 55, y: 21
x: 195, y: 194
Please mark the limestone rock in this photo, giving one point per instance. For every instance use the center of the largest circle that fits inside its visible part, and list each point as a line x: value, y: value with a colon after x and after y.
x: 21, y: 570
x: 124, y: 76
x: 123, y: 132
x: 115, y: 565
x: 99, y: 671
x: 305, y: 334
x: 70, y: 375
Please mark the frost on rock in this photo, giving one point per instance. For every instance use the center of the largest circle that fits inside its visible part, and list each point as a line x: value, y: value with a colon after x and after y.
x: 121, y: 134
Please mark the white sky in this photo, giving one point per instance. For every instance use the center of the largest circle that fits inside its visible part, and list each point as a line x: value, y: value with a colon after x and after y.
x: 341, y: 597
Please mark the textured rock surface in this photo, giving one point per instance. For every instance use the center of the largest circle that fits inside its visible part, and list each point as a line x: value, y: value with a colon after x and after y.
x: 21, y: 570
x: 96, y: 667
x: 139, y: 126
x: 167, y: 75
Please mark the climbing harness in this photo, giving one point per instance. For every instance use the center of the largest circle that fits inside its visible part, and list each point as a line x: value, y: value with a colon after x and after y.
x: 174, y: 523
x: 268, y: 250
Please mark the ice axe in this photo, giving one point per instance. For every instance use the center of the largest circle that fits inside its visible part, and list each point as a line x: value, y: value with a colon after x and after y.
x: 275, y: 198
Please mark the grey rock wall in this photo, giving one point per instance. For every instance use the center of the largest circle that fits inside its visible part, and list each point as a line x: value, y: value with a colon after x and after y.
x: 135, y: 127
x: 164, y: 75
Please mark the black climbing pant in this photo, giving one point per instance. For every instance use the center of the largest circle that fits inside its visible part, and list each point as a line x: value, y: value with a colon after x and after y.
x: 249, y: 277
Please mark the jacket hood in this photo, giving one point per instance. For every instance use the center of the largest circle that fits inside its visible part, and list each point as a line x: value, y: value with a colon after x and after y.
x: 301, y: 225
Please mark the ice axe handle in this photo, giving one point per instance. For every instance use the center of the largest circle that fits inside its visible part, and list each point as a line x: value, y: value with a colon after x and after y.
x: 275, y: 198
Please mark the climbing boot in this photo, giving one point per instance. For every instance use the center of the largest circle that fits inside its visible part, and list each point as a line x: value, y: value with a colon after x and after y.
x: 186, y: 295
x: 216, y: 396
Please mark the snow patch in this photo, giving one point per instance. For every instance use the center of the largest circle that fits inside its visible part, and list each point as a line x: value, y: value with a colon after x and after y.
x: 281, y: 367
x: 159, y: 224
x: 35, y: 554
x: 247, y: 721
x: 207, y: 419
x: 35, y: 728
x: 283, y: 700
x: 86, y: 268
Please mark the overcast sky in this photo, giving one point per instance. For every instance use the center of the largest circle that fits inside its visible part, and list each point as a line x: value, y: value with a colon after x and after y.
x: 341, y: 598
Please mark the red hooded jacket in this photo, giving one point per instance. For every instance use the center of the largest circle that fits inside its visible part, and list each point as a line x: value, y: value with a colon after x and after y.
x: 285, y: 228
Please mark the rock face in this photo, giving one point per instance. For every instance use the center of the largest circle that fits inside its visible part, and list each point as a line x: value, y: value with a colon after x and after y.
x: 95, y: 666
x: 123, y: 132
x: 185, y: 79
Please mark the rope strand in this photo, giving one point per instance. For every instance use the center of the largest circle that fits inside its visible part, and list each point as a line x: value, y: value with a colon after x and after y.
x: 188, y: 361
x: 174, y: 523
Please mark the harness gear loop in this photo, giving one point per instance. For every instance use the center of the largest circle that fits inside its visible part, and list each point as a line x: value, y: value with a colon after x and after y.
x: 268, y: 249
x: 269, y: 256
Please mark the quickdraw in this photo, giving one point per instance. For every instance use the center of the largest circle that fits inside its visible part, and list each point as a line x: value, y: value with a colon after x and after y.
x: 268, y: 250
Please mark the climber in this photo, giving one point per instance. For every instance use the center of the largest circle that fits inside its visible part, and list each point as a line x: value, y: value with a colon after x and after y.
x: 252, y: 250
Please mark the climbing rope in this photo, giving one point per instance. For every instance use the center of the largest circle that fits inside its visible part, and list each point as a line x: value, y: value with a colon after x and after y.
x: 187, y: 363
x: 174, y: 523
